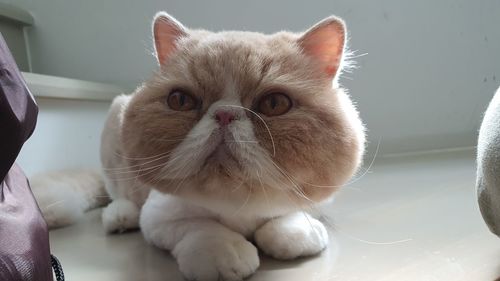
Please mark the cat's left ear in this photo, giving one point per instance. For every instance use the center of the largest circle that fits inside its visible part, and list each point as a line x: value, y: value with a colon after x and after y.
x: 325, y: 43
x: 166, y: 31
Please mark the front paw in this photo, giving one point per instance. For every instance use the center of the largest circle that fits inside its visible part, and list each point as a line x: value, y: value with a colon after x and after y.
x: 120, y: 215
x: 205, y: 258
x: 292, y: 236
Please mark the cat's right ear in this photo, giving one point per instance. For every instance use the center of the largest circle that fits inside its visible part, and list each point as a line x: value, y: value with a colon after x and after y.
x: 325, y: 42
x: 166, y: 31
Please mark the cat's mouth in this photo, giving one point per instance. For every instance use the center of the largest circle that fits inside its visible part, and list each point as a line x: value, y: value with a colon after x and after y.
x: 222, y: 158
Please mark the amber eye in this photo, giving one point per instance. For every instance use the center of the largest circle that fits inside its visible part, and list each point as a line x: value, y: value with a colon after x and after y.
x: 274, y: 104
x: 180, y: 101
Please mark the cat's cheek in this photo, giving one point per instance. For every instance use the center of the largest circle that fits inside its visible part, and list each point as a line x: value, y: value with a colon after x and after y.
x: 315, y: 186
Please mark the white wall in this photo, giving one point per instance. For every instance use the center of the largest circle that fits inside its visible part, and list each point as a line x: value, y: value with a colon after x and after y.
x: 67, y: 135
x: 431, y: 68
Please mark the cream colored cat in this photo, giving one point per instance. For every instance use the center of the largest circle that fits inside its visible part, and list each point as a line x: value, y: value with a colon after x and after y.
x: 237, y: 134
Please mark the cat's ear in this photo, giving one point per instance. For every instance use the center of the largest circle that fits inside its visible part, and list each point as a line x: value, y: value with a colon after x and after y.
x: 325, y: 43
x: 166, y: 31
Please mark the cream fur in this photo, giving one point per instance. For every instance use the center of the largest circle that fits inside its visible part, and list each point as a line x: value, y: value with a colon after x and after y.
x: 127, y: 193
x: 203, y: 207
x: 64, y: 196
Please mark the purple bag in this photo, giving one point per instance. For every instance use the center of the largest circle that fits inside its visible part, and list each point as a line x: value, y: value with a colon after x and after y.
x: 24, y: 239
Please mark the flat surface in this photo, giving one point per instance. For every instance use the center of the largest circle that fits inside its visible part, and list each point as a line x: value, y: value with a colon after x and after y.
x: 408, y: 218
x: 19, y: 16
x: 47, y: 86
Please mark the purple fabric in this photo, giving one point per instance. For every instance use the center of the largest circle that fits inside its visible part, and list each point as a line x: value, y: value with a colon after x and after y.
x: 24, y: 241
x: 18, y: 111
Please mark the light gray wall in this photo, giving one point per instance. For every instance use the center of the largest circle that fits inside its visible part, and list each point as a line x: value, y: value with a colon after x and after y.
x: 67, y: 136
x: 431, y: 66
x: 14, y: 36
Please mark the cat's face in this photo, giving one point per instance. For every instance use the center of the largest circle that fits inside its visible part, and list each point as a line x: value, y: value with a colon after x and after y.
x: 245, y: 120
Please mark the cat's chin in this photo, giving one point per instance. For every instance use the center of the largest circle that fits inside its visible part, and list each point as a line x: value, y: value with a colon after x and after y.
x: 223, y: 160
x: 221, y: 155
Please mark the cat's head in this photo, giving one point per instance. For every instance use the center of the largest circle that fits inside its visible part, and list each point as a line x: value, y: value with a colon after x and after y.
x: 243, y: 120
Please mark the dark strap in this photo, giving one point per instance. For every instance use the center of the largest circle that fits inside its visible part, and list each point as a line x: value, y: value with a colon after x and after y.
x: 56, y: 266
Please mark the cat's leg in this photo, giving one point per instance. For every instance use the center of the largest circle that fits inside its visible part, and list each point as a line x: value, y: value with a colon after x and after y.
x: 291, y: 236
x: 121, y: 214
x: 204, y: 249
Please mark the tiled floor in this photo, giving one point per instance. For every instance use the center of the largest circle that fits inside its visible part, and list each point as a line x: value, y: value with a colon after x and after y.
x: 409, y: 218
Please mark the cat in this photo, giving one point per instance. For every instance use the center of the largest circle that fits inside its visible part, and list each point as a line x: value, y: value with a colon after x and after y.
x: 229, y: 142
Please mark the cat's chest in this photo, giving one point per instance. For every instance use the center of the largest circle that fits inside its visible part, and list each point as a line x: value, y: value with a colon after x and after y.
x: 244, y: 225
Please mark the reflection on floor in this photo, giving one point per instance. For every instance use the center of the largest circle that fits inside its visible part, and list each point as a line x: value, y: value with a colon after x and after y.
x: 408, y: 218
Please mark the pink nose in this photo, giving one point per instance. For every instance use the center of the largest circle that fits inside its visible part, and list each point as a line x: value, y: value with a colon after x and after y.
x: 224, y: 117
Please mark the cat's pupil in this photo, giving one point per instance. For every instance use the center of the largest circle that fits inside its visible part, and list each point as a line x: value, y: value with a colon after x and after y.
x: 177, y: 100
x: 182, y: 99
x: 274, y: 102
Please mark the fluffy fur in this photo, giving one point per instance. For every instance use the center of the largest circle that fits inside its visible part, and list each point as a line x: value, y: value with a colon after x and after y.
x: 216, y: 187
x: 63, y: 197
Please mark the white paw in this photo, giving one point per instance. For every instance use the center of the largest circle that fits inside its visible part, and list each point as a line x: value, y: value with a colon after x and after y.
x: 205, y: 258
x: 292, y: 236
x: 120, y: 215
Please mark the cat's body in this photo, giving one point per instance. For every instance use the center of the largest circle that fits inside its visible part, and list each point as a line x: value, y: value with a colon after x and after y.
x: 237, y: 135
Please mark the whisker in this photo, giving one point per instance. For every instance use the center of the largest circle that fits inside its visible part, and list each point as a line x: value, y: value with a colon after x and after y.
x: 186, y: 163
x: 353, y: 180
x: 242, y: 206
x: 240, y: 141
x: 137, y: 165
x: 239, y: 185
x: 295, y: 186
x: 134, y: 171
x: 369, y: 166
x: 261, y: 119
x: 137, y: 158
x: 53, y: 204
x: 149, y: 171
x: 166, y: 140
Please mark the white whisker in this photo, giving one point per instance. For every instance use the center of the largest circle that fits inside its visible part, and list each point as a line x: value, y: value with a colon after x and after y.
x: 264, y: 122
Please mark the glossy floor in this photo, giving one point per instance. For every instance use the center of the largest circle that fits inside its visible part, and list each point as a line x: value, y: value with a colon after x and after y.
x: 408, y: 218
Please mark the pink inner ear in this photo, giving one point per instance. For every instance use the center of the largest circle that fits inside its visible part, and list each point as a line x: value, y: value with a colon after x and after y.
x: 166, y: 31
x: 325, y: 43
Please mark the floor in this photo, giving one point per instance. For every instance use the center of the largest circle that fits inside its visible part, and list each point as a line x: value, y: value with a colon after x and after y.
x: 410, y: 217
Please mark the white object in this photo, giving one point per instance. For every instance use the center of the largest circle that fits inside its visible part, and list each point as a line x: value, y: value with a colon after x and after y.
x: 71, y: 116
x: 488, y: 162
x: 47, y: 86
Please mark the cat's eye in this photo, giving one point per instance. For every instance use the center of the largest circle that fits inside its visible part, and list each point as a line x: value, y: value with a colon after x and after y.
x: 181, y: 101
x: 274, y: 104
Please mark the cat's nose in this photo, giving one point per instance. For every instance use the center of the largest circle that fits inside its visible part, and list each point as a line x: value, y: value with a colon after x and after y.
x: 224, y: 117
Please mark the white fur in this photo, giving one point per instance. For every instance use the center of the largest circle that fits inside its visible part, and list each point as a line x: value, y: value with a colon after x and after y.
x: 127, y: 193
x: 209, y: 246
x: 63, y: 197
x: 204, y: 248
x: 120, y: 215
x: 292, y: 236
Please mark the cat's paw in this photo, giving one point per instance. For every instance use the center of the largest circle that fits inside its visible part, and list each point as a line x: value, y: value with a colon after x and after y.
x: 292, y: 236
x: 120, y: 215
x: 205, y: 258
